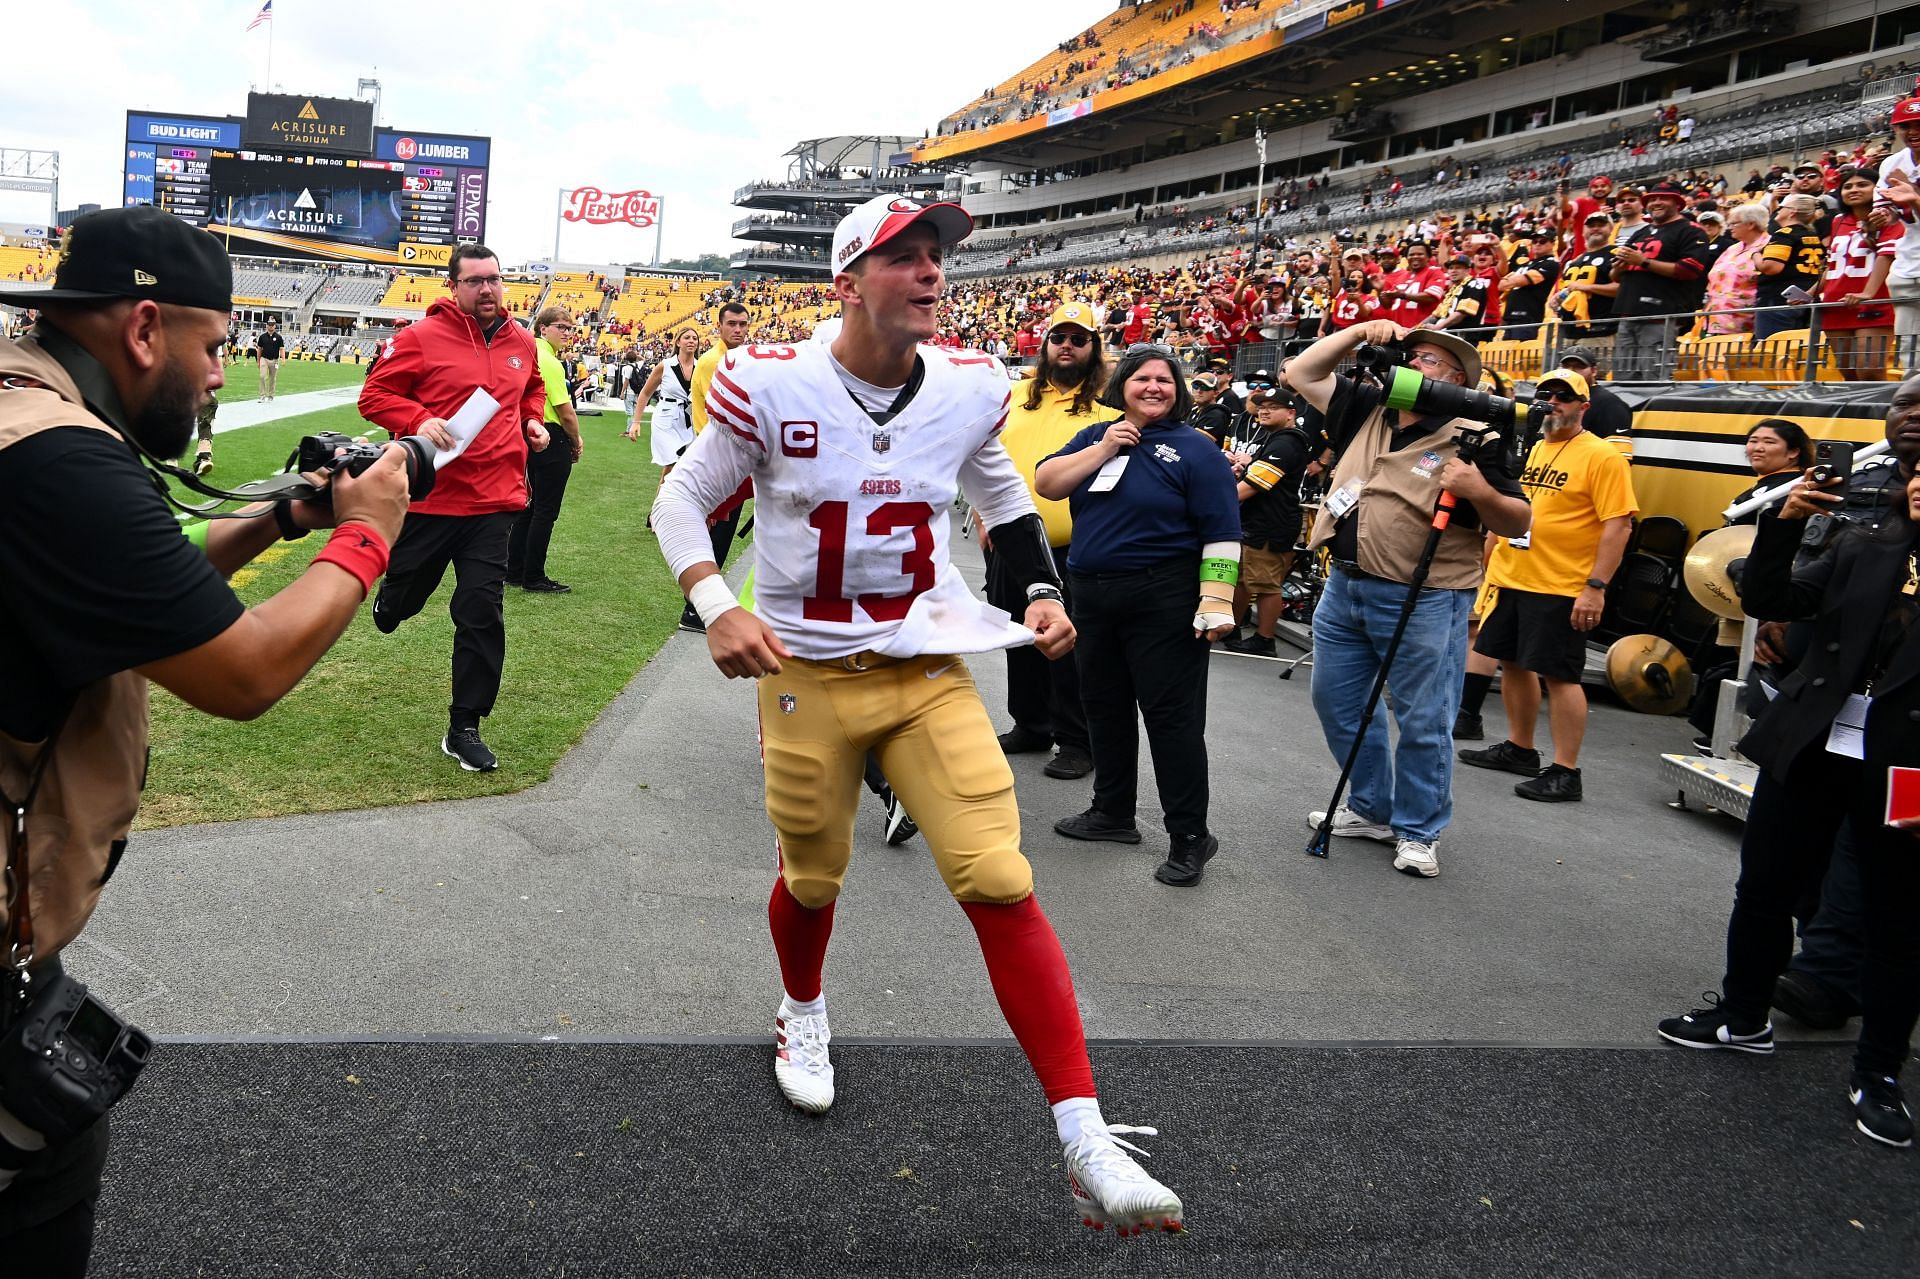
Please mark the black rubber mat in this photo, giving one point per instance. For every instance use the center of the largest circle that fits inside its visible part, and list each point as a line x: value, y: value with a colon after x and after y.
x: 492, y: 1159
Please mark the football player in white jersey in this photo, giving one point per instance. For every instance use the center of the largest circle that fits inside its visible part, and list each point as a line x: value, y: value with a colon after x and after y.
x: 856, y: 449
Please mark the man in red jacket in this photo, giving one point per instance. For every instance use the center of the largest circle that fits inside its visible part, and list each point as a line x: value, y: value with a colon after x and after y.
x: 424, y: 375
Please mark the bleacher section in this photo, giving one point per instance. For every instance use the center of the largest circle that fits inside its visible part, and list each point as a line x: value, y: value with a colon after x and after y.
x: 30, y: 265
x: 413, y: 292
x: 654, y: 304
x: 272, y: 286
x: 351, y: 292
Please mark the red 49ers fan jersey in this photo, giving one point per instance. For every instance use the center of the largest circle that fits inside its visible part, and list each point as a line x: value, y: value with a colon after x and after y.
x: 852, y: 517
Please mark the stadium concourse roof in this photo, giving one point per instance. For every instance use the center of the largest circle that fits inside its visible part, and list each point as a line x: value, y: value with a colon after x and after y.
x: 853, y: 148
x: 1304, y: 70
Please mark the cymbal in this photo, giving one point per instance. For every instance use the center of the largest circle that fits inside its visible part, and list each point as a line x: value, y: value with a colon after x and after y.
x: 1713, y: 566
x: 1649, y: 674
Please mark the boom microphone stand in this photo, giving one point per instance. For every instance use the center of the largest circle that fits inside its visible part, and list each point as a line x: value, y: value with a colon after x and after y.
x: 1442, y: 517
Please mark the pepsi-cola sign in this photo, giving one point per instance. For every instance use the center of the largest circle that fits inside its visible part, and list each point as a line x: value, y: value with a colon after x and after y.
x: 600, y: 208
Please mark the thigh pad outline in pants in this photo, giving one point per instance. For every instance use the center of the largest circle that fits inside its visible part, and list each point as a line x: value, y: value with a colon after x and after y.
x: 943, y: 760
x: 812, y: 781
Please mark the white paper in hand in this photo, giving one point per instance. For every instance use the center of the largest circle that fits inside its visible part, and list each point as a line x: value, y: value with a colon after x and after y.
x: 467, y: 423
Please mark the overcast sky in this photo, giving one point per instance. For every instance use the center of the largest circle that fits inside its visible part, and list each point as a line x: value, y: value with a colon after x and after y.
x: 688, y: 101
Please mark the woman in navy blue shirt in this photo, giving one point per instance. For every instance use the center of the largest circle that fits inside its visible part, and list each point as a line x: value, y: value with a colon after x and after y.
x: 1156, y: 526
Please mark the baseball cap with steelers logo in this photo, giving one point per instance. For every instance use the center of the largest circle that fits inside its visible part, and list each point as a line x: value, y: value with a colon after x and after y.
x: 1076, y: 313
x: 872, y: 224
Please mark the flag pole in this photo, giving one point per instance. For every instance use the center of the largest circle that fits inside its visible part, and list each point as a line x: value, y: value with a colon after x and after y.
x: 271, y: 24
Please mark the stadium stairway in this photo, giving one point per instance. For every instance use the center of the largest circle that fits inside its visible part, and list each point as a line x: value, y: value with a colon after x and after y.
x: 641, y: 1158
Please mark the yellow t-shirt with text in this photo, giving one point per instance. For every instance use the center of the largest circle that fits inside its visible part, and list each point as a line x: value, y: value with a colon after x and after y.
x: 1575, y: 487
x: 1032, y: 436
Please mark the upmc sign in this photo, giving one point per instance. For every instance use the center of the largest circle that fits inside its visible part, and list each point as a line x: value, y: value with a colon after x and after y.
x: 598, y: 208
x: 470, y: 203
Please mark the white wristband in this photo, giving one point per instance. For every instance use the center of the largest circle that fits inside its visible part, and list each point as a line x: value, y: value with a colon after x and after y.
x: 711, y: 597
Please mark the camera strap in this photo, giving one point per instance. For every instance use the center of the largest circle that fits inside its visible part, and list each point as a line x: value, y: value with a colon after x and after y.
x: 18, y: 956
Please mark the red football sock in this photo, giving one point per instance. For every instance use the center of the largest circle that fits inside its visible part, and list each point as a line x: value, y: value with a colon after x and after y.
x: 1030, y: 979
x: 800, y: 940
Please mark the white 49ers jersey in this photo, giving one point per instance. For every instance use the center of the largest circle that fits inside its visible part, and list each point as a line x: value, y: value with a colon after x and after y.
x: 852, y: 518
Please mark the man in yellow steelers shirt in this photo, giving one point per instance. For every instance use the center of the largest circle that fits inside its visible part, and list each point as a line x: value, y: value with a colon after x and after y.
x: 1048, y: 409
x: 1550, y: 589
x: 732, y: 332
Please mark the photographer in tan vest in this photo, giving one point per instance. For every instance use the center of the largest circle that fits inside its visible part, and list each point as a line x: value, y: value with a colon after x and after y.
x: 1391, y: 467
x: 103, y: 593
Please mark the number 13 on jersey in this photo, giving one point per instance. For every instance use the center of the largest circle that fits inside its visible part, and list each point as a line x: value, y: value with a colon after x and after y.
x: 830, y: 520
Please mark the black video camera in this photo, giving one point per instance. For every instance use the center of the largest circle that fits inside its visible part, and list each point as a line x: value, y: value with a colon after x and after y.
x: 1510, y: 425
x: 66, y: 1058
x: 332, y: 452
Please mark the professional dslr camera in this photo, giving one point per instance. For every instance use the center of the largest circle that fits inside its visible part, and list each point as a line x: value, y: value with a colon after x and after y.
x: 331, y: 452
x: 1510, y: 425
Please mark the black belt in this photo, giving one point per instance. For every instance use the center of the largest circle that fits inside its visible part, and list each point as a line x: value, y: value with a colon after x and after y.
x: 1354, y: 570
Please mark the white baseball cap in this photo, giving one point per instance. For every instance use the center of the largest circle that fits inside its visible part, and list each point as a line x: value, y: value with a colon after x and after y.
x: 872, y: 224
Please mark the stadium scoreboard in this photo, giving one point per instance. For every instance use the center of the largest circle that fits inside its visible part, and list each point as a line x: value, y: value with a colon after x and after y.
x: 312, y: 177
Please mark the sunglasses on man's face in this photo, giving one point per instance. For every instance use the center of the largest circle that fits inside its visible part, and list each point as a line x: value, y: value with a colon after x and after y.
x: 1560, y: 397
x: 1076, y: 340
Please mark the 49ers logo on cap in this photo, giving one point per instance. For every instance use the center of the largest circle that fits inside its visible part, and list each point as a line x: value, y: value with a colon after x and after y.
x: 851, y: 250
x: 904, y: 205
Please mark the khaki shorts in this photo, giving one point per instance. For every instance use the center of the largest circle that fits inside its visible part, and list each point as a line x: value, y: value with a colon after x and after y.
x: 1262, y: 572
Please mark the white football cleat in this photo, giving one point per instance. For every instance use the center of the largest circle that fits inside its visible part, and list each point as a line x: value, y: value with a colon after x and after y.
x: 800, y: 1064
x: 1109, y: 1188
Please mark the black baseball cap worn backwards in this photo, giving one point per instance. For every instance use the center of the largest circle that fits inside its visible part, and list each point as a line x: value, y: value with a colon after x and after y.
x: 139, y: 252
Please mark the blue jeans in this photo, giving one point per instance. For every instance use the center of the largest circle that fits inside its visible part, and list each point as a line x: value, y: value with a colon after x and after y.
x: 1351, y: 626
x: 1778, y: 319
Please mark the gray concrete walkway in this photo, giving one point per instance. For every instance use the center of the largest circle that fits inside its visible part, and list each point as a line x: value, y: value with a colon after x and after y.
x: 628, y: 897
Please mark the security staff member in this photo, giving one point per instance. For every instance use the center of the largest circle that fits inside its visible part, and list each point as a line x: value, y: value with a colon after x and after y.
x: 267, y: 350
x: 1379, y: 506
x: 104, y: 594
x: 1061, y: 397
x: 549, y: 469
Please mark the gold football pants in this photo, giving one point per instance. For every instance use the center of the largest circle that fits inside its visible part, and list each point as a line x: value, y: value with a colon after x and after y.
x: 922, y: 717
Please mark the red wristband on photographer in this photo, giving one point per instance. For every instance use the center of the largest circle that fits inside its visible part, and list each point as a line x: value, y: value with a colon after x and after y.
x: 358, y: 549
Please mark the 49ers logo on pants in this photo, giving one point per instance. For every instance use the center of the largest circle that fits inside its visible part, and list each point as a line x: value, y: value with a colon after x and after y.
x: 800, y: 439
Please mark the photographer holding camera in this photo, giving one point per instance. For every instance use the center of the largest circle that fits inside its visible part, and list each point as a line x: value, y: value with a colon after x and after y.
x: 1840, y: 741
x: 1391, y: 467
x: 103, y: 594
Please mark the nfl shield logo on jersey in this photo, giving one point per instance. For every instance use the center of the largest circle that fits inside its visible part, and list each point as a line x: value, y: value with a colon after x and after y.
x: 787, y: 703
x: 882, y: 441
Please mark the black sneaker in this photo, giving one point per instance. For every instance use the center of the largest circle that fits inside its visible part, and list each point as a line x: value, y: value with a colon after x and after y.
x: 464, y: 744
x: 690, y: 621
x: 1812, y: 1002
x: 1712, y: 1027
x: 545, y: 586
x: 1094, y: 824
x: 1880, y: 1109
x: 1020, y: 740
x: 1467, y: 727
x: 1068, y: 764
x: 900, y: 827
x: 383, y: 621
x: 1254, y: 645
x: 1555, y: 786
x: 1506, y: 757
x: 1187, y: 860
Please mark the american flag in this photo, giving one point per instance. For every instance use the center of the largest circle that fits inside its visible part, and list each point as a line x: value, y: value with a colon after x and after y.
x: 265, y: 15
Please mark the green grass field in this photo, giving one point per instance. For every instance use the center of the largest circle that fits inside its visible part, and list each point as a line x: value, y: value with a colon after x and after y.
x: 363, y: 729
x: 243, y: 378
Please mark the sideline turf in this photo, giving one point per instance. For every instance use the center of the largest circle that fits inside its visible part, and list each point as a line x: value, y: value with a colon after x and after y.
x: 363, y: 728
x: 243, y: 378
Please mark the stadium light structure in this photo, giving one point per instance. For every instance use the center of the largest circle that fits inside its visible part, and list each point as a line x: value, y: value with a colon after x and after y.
x: 26, y: 170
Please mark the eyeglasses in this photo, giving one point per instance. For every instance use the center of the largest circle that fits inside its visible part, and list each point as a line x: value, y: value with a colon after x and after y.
x: 482, y: 281
x: 1077, y: 340
x: 1560, y: 397
x: 1431, y: 360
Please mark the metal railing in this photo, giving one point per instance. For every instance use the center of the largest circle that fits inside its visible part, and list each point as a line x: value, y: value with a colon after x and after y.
x: 1797, y: 348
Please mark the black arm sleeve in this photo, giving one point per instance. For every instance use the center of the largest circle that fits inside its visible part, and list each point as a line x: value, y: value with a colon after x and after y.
x: 1023, y: 544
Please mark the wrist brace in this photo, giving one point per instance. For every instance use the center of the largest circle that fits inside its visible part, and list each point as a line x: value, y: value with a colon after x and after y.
x: 1024, y: 543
